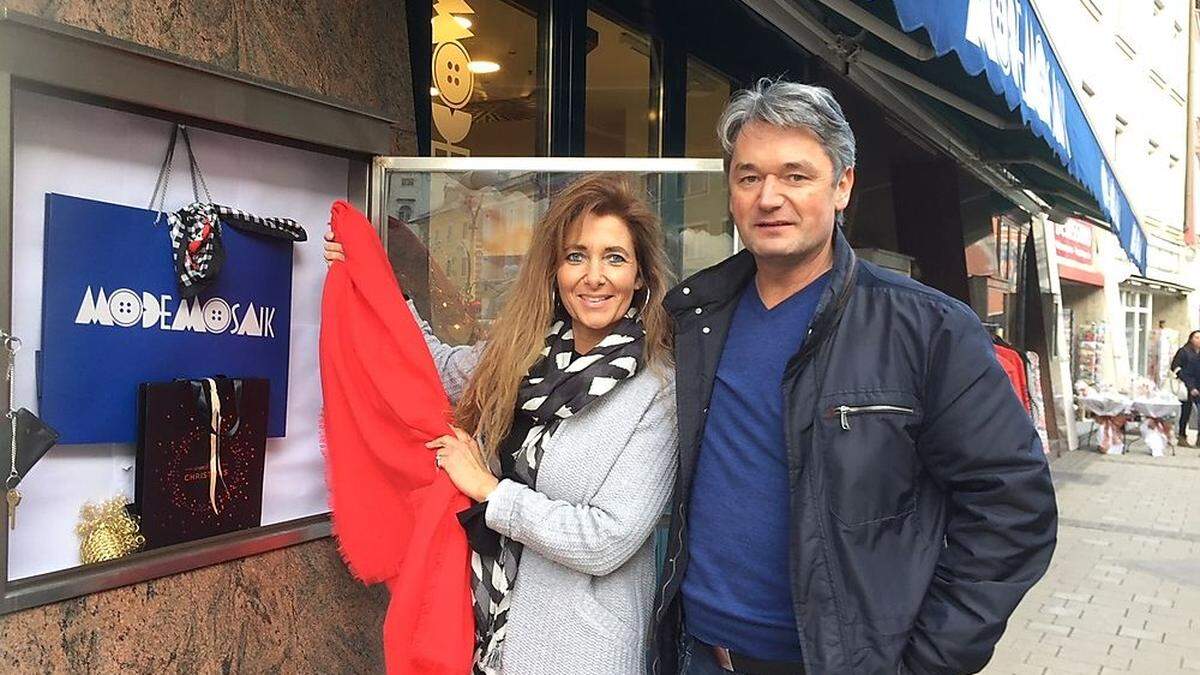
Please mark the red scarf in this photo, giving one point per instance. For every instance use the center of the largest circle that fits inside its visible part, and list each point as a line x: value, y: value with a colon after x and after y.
x: 393, y: 512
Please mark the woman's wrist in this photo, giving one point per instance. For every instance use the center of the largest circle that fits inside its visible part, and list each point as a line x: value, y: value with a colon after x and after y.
x: 487, y: 485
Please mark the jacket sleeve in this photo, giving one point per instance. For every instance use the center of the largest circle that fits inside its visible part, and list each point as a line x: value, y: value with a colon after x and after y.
x: 1178, y: 362
x: 455, y: 365
x: 598, y: 537
x: 982, y: 449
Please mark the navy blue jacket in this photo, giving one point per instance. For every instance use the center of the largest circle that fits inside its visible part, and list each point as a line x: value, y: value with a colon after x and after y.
x: 921, y: 503
x: 1188, y: 363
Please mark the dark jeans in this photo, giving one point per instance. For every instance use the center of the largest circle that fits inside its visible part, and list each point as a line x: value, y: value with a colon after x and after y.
x: 1185, y: 413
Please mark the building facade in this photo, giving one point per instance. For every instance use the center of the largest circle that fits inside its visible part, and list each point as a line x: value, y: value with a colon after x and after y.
x: 1129, y: 64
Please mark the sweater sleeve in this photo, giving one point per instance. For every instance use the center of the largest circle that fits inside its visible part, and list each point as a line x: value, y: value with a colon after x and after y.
x: 455, y: 365
x: 598, y: 537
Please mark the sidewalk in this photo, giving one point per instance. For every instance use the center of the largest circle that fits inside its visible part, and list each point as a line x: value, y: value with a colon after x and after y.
x: 1123, y: 592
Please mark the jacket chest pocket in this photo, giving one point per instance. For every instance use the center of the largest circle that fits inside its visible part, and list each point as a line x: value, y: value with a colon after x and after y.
x: 867, y: 442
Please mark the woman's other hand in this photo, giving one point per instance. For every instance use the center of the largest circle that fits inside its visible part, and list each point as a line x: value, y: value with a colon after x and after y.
x: 460, y: 457
x: 333, y: 250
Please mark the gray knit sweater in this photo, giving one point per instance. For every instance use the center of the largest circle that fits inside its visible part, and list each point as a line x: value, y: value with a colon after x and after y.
x: 583, y: 596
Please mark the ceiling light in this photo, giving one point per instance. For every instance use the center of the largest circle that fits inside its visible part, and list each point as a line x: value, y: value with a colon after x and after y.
x: 463, y: 21
x: 483, y: 66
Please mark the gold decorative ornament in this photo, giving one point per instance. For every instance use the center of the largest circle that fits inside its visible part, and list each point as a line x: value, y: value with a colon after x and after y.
x: 107, y: 532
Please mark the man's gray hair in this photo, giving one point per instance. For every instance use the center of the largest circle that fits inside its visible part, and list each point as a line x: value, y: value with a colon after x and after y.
x: 790, y: 105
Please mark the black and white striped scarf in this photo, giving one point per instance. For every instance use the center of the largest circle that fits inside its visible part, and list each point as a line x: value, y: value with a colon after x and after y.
x: 558, y: 386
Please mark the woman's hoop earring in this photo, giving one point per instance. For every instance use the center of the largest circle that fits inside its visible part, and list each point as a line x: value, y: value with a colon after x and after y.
x: 553, y: 299
x: 645, y: 303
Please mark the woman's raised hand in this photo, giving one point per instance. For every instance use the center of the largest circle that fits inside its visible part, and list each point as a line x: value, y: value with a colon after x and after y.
x: 333, y: 249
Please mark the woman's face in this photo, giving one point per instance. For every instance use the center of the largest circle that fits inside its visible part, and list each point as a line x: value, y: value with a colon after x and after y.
x: 597, y: 275
x: 1195, y: 340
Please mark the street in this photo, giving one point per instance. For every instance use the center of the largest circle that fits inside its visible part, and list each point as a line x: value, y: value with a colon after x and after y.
x: 1123, y: 591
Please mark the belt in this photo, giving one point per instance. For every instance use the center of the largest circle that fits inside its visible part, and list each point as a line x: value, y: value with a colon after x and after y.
x: 745, y: 665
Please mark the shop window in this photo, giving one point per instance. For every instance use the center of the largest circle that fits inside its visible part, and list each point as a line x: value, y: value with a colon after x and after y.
x: 708, y: 92
x: 621, y: 115
x: 459, y: 252
x: 486, y: 86
x: 994, y: 261
x: 1138, y: 309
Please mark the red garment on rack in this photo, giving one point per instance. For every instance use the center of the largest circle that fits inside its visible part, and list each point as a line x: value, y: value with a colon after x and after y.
x: 394, y: 514
x: 1014, y: 367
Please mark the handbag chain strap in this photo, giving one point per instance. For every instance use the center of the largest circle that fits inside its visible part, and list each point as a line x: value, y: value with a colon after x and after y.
x: 164, y: 173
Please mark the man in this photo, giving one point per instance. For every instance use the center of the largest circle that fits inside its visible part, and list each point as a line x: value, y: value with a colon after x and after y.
x: 859, y: 490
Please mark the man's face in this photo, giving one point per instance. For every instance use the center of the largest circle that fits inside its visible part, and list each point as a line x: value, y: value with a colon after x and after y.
x: 782, y: 193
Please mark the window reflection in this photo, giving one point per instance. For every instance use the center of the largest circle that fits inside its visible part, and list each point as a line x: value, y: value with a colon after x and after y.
x: 707, y: 93
x: 621, y: 109
x: 458, y: 252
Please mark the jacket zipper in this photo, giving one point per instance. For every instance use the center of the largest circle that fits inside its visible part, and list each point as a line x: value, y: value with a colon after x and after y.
x: 667, y: 582
x: 845, y: 411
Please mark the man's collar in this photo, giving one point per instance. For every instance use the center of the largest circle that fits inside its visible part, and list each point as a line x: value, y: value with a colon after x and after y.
x: 724, y: 281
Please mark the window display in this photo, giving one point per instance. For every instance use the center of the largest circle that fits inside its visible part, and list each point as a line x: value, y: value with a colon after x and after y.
x: 1089, y: 352
x: 97, y: 305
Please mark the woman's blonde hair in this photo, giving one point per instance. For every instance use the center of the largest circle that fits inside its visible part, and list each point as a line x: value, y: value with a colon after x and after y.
x: 518, y: 336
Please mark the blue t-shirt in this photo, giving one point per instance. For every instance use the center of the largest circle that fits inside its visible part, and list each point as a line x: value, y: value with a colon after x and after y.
x: 737, y: 591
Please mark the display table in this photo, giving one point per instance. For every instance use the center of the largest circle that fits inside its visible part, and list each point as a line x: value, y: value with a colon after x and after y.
x: 1157, y: 425
x: 1113, y: 411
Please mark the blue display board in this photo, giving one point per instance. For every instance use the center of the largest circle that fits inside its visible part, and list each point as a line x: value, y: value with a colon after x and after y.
x: 112, y: 318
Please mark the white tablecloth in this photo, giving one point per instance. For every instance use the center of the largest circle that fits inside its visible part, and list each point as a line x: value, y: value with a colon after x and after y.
x: 1156, y: 426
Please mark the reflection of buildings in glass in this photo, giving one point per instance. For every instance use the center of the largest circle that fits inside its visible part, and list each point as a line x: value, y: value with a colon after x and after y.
x: 993, y: 263
x: 507, y: 229
x: 462, y: 248
x: 453, y: 235
x: 477, y: 233
x: 408, y: 196
x: 707, y: 238
x: 704, y: 244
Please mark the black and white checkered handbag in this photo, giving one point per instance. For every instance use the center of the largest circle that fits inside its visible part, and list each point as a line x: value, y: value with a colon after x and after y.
x: 196, y: 228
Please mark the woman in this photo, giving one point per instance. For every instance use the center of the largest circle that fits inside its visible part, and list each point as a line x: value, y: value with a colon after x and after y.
x: 1186, y: 366
x: 572, y: 400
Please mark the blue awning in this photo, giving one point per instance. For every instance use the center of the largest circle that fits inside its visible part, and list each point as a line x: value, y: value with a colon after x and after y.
x: 1006, y: 41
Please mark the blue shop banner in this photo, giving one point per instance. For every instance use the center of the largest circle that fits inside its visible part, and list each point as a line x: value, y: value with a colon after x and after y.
x: 1005, y: 40
x: 112, y: 318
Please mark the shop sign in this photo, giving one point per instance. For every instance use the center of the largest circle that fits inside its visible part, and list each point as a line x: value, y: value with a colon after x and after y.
x: 453, y: 79
x: 1073, y: 241
x: 113, y: 318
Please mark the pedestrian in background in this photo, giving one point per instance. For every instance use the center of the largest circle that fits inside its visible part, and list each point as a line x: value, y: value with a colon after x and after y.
x: 1186, y: 367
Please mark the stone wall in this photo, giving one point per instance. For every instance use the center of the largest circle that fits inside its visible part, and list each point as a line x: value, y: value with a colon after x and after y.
x: 355, y: 51
x: 295, y: 610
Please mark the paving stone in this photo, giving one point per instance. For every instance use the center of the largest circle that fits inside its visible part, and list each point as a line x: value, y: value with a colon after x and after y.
x: 1149, y: 635
x: 1122, y: 594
